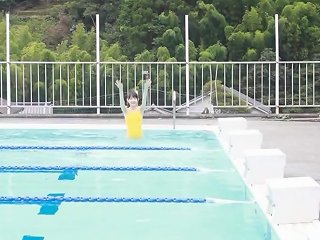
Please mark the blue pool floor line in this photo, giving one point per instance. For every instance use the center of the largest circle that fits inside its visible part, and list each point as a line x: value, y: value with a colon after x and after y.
x: 48, y: 208
x: 30, y: 237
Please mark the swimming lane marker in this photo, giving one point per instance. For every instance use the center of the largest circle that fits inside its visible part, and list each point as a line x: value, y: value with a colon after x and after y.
x: 87, y: 148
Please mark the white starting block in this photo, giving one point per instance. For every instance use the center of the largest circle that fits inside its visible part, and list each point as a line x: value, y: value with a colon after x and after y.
x: 242, y: 140
x: 225, y: 125
x: 261, y: 164
x: 293, y: 200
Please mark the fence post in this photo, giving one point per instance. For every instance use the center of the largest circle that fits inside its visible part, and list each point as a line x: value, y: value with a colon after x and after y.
x: 174, y: 104
x: 8, y: 64
x: 187, y: 63
x: 98, y: 61
x: 277, y: 62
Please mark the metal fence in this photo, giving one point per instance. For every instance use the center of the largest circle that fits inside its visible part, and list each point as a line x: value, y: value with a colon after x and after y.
x: 89, y: 87
x: 70, y: 86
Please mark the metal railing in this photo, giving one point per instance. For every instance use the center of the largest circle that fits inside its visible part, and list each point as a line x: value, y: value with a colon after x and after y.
x: 89, y: 87
x: 73, y: 85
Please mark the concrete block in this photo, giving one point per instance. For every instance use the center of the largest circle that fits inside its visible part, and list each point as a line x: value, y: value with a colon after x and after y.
x: 240, y: 141
x: 261, y: 164
x: 225, y: 125
x: 293, y: 200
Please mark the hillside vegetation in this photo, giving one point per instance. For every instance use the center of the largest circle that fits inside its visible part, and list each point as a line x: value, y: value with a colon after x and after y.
x: 144, y: 30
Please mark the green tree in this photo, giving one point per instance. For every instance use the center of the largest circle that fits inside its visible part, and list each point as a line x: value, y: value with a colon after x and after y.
x: 300, y: 31
x: 259, y: 41
x: 238, y: 44
x: 251, y: 21
x: 232, y: 10
x: 169, y: 20
x: 85, y: 12
x: 251, y: 55
x: 20, y: 38
x: 137, y: 24
x: 228, y: 30
x: 84, y: 40
x: 211, y: 23
x: 171, y: 38
x: 75, y: 54
x: 37, y: 51
x: 112, y: 53
x: 216, y: 52
x: 145, y: 56
x: 280, y: 4
x: 180, y: 52
x: 163, y: 54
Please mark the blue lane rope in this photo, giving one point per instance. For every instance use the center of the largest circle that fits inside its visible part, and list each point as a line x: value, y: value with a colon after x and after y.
x: 50, y: 199
x: 59, y: 199
x: 85, y: 148
x: 93, y: 168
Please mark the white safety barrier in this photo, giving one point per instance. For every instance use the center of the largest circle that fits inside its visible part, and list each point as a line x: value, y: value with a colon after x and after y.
x: 240, y: 141
x: 293, y: 200
x: 225, y: 125
x: 261, y: 164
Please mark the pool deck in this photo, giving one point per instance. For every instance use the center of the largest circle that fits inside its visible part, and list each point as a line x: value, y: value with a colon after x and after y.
x: 299, y: 140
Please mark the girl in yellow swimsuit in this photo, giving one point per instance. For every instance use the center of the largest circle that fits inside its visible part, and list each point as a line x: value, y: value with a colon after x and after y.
x: 133, y: 113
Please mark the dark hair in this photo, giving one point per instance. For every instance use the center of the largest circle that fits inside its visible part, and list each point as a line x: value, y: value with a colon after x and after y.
x: 132, y: 94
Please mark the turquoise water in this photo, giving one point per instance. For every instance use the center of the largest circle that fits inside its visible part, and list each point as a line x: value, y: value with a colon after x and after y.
x: 125, y: 221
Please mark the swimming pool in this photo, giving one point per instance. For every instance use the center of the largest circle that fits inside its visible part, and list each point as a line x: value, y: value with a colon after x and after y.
x: 171, y: 185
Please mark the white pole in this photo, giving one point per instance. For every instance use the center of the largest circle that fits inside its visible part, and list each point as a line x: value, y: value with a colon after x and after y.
x: 277, y: 61
x: 174, y: 103
x: 98, y: 62
x: 187, y: 63
x: 8, y: 63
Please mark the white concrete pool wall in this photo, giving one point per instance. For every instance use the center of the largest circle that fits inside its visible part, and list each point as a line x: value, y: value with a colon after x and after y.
x: 295, y: 215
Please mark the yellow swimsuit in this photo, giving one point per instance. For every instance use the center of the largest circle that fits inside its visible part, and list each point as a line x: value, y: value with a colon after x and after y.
x: 134, y: 123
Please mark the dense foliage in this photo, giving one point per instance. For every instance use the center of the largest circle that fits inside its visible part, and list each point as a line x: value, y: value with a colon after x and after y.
x: 220, y: 30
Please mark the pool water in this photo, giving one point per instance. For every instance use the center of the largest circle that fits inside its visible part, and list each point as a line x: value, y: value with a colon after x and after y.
x: 239, y: 218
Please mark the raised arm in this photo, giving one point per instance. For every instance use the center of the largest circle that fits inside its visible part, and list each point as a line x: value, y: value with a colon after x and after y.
x: 145, y: 94
x: 122, y: 103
